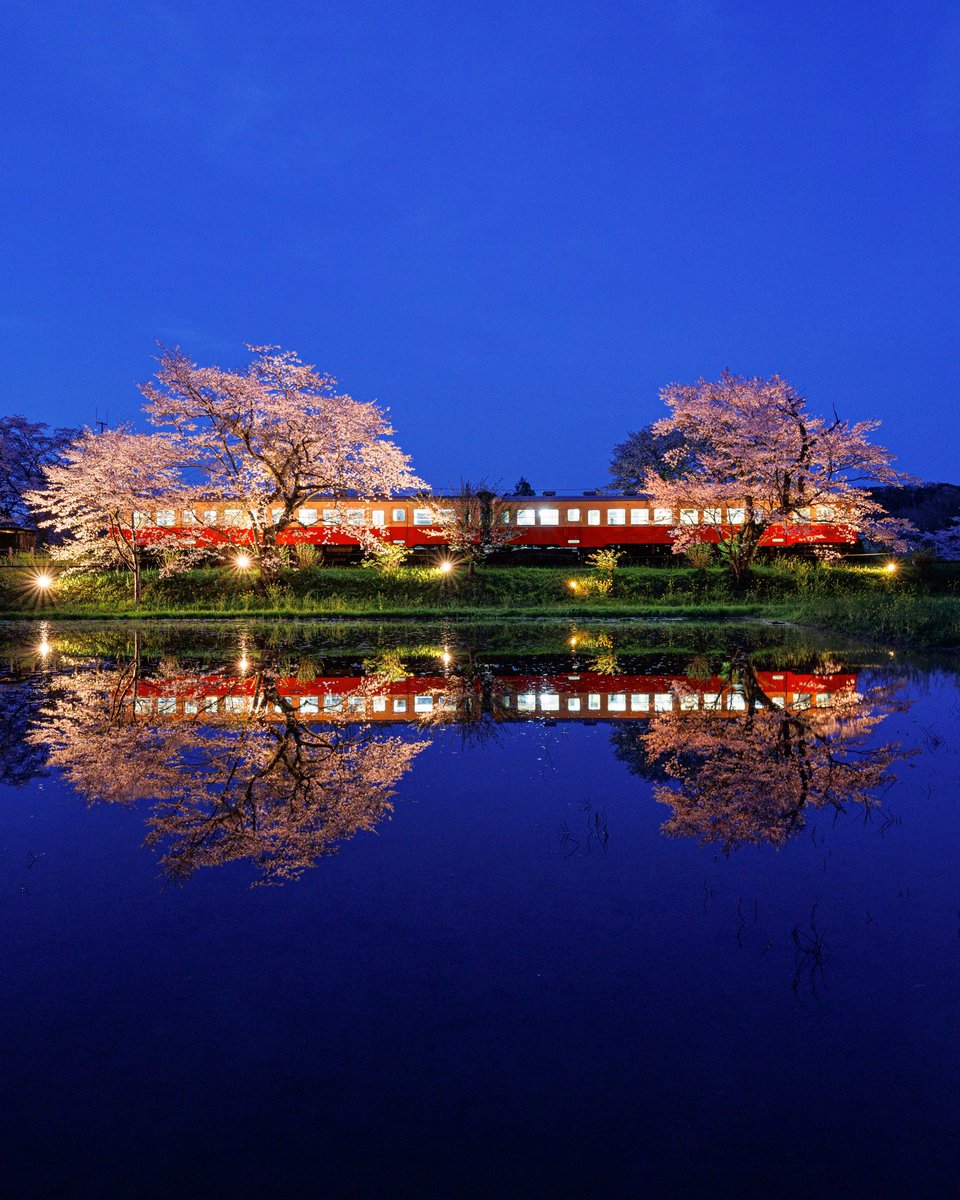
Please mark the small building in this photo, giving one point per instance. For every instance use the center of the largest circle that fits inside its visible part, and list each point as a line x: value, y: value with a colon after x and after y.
x: 17, y: 539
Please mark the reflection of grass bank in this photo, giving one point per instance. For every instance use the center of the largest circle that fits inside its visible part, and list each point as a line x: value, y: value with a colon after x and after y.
x: 870, y: 602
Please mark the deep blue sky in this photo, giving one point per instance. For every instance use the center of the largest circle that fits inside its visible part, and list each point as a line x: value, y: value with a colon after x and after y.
x: 511, y: 223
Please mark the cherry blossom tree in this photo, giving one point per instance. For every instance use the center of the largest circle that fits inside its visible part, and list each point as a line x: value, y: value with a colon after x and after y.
x: 761, y: 454
x: 272, y: 437
x: 99, y: 497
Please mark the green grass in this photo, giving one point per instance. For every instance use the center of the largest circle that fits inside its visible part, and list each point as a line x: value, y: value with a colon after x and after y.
x: 921, y: 608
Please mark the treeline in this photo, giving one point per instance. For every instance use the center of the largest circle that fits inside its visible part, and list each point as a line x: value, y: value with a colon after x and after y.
x: 930, y: 507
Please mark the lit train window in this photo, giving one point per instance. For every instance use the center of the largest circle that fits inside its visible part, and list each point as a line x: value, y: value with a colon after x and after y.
x: 446, y: 514
x: 549, y: 516
x: 379, y: 704
x: 689, y: 516
x: 421, y: 516
x: 275, y: 515
x: 232, y: 516
x: 355, y: 704
x: 331, y: 516
x: 235, y: 704
x: 354, y: 516
x: 379, y: 517
x: 423, y: 704
x: 142, y: 705
x: 805, y: 514
x: 527, y: 703
x: 190, y: 708
x: 189, y: 517
x: 573, y: 704
x: 141, y: 518
x: 823, y: 699
x: 573, y: 515
x: 712, y: 700
x: 823, y: 511
x: 736, y: 516
x: 663, y: 702
x: 550, y: 702
x: 711, y: 516
x: 593, y: 516
x: 210, y: 705
x: 663, y: 516
x: 399, y: 706
x: 209, y: 516
x: 593, y: 701
x: 399, y: 514
x: 616, y: 516
x: 167, y: 705
x: 639, y: 516
x: 688, y: 702
x: 617, y: 703
x: 526, y: 516
x: 505, y: 517
x: 736, y: 702
x: 165, y: 516
x: 309, y: 704
x: 639, y: 702
x: 332, y: 703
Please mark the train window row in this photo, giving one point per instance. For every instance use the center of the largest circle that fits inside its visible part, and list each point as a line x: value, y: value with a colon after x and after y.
x: 521, y: 517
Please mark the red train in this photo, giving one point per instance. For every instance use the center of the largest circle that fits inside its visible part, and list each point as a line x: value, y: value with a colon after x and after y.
x: 584, y: 521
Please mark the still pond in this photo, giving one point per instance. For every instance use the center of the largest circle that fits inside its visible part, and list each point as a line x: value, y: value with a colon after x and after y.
x: 360, y: 912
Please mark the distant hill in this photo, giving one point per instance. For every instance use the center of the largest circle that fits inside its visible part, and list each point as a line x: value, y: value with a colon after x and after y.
x: 930, y: 506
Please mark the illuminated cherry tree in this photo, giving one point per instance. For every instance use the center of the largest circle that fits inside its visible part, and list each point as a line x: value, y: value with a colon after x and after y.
x: 100, y: 495
x: 763, y: 460
x: 273, y: 437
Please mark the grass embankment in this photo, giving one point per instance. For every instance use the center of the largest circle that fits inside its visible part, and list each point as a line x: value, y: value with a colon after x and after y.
x: 920, y: 608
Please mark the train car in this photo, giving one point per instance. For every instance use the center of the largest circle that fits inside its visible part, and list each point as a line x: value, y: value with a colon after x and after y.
x: 576, y: 521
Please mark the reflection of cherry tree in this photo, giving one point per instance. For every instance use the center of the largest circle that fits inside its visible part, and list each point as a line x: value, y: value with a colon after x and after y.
x: 749, y: 776
x: 263, y: 785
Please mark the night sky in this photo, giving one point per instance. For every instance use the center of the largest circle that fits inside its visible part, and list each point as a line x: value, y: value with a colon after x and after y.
x: 511, y: 223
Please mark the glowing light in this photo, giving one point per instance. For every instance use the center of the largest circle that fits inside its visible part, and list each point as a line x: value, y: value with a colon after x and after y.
x: 445, y: 567
x: 573, y: 585
x: 243, y: 663
x: 891, y: 567
x: 573, y: 641
x: 43, y: 581
x: 242, y: 562
x: 44, y: 648
x: 445, y: 656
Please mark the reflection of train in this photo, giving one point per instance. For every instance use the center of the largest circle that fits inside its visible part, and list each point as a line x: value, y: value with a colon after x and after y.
x: 587, y: 521
x: 580, y: 695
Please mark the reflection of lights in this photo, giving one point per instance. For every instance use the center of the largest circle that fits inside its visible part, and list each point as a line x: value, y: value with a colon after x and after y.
x: 891, y: 567
x: 44, y: 648
x: 445, y: 567
x: 242, y: 562
x: 445, y: 656
x: 243, y: 663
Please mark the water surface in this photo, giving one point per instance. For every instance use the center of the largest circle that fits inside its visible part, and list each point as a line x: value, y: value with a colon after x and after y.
x: 554, y: 911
